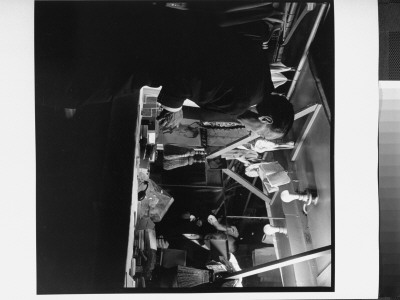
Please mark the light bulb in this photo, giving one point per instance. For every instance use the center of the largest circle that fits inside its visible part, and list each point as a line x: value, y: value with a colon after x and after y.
x: 287, y: 197
x: 271, y: 230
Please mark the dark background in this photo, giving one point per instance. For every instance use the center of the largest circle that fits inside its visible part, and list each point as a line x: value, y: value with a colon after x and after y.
x: 84, y: 181
x: 61, y: 258
x: 84, y: 172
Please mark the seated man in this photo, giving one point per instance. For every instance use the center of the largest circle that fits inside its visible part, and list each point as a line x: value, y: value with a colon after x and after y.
x: 193, y: 234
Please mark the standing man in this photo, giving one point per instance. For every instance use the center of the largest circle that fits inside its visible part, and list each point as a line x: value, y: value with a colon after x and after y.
x: 96, y: 52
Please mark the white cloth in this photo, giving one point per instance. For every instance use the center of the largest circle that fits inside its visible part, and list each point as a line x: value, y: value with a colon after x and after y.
x: 171, y: 109
x: 262, y: 146
x: 276, y: 69
x: 236, y: 268
x: 194, y: 238
x: 279, y: 67
x: 278, y: 79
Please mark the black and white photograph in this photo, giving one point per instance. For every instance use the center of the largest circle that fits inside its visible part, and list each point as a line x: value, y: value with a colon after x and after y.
x: 205, y: 149
x: 184, y: 146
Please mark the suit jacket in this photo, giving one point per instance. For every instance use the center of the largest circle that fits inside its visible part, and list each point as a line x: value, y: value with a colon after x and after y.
x: 229, y: 75
x: 95, y: 52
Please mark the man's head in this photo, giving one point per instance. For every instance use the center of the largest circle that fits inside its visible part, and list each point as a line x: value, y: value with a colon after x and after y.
x: 271, y: 119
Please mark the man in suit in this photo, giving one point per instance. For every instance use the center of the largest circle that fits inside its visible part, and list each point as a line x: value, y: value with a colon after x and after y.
x: 228, y: 76
x: 96, y: 53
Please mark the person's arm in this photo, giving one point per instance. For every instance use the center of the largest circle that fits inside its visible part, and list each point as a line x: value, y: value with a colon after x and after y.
x: 174, y: 92
x: 169, y: 121
x: 171, y: 109
x: 231, y: 230
x: 241, y: 155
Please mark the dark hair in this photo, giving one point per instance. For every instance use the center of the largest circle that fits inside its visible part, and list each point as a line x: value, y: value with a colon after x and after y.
x: 280, y: 109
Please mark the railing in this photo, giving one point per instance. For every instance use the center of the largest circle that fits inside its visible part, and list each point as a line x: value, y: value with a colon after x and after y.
x: 280, y: 263
x: 307, y: 48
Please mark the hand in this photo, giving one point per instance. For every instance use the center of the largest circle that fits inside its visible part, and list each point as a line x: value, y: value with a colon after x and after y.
x: 232, y: 230
x: 246, y: 155
x: 251, y: 154
x: 168, y: 121
x: 212, y: 220
x: 263, y: 145
x: 162, y: 243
